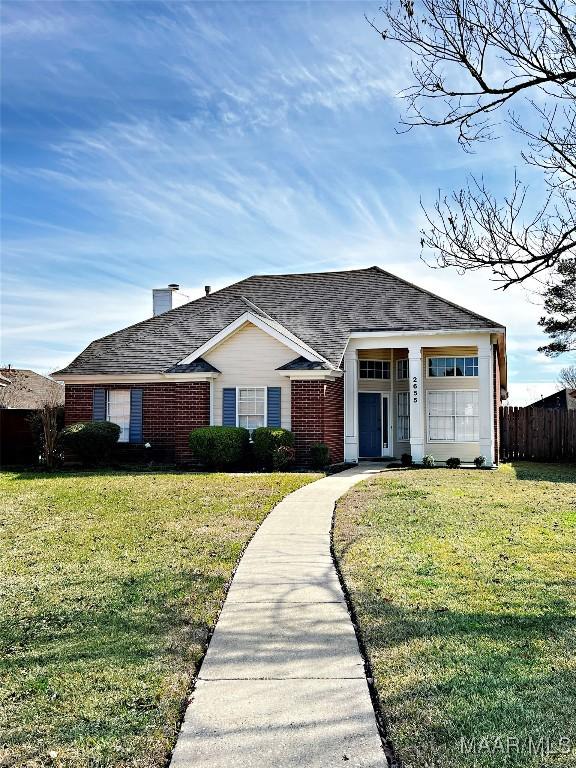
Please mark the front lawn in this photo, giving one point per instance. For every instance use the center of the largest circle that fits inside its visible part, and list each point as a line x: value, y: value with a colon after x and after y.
x: 109, y: 586
x: 464, y: 585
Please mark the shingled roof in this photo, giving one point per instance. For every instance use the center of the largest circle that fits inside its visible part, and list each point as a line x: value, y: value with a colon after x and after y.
x: 28, y: 390
x: 319, y: 308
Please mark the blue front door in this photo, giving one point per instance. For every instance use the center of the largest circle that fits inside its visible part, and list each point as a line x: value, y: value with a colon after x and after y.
x: 370, y: 423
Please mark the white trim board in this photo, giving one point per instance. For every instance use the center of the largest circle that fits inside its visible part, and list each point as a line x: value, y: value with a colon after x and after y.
x: 134, y: 378
x: 437, y: 332
x: 318, y: 375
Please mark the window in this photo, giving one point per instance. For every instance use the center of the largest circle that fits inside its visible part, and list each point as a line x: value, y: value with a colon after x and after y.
x: 403, y: 416
x: 452, y: 366
x: 453, y: 416
x: 374, y: 369
x: 118, y: 411
x: 402, y: 369
x: 251, y: 407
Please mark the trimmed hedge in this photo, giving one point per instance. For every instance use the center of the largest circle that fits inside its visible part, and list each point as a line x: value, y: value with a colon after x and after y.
x: 453, y: 462
x: 219, y: 447
x: 271, y: 447
x: 319, y: 454
x: 90, y: 441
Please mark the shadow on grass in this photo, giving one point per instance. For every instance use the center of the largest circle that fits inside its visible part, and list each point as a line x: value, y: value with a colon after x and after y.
x: 550, y: 473
x: 83, y: 671
x: 469, y: 676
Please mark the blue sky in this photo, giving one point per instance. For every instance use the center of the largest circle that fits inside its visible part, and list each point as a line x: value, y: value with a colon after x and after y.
x: 198, y: 143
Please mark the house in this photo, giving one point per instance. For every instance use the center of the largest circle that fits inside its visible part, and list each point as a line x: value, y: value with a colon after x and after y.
x: 24, y: 389
x: 361, y: 360
x: 22, y: 393
x: 564, y: 400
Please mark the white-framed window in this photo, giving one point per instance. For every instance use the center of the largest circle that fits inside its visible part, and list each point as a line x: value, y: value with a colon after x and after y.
x: 402, y: 369
x: 251, y: 407
x: 118, y: 411
x: 403, y: 416
x: 453, y: 416
x: 374, y: 369
x: 452, y: 366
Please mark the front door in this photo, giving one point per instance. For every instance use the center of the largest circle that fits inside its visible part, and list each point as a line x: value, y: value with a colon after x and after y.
x: 370, y: 423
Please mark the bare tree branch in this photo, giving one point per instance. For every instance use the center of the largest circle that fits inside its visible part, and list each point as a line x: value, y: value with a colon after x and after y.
x: 470, y: 60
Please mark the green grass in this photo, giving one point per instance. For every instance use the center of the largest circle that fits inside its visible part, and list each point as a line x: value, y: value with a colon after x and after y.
x: 109, y: 586
x: 464, y: 584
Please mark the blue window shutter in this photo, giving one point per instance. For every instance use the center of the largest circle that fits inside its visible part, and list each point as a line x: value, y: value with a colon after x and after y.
x: 135, y: 416
x: 99, y: 405
x: 229, y: 407
x: 273, y: 409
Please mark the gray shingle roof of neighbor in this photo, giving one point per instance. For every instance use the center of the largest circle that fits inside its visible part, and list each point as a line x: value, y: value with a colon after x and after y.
x: 27, y: 389
x: 320, y: 308
x: 301, y: 364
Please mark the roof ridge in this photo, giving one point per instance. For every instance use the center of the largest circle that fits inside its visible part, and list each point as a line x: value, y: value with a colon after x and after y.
x: 309, y: 274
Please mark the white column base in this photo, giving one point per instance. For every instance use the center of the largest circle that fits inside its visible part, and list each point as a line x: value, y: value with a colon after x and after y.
x: 417, y: 451
x: 350, y: 451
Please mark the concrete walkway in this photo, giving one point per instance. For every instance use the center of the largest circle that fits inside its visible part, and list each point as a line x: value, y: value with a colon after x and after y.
x: 282, y: 684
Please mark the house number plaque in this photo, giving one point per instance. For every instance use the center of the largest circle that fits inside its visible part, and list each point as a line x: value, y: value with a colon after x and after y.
x: 415, y: 389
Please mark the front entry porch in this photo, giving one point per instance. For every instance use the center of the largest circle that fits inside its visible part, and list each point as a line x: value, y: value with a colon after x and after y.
x: 429, y: 394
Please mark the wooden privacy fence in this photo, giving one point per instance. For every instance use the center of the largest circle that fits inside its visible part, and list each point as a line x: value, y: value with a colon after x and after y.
x: 537, y: 434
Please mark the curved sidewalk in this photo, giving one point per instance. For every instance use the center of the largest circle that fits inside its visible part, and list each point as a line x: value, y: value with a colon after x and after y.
x: 282, y: 684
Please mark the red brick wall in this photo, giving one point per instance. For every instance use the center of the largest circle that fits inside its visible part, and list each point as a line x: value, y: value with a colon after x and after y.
x: 318, y: 417
x: 334, y: 418
x: 169, y: 413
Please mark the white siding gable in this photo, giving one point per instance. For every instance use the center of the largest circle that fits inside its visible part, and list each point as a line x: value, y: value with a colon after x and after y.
x: 250, y: 357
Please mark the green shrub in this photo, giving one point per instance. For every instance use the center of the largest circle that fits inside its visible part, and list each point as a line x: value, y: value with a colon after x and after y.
x: 90, y: 441
x: 267, y: 443
x: 480, y: 461
x: 453, y: 462
x: 428, y: 460
x: 219, y: 447
x: 319, y: 454
x: 406, y: 460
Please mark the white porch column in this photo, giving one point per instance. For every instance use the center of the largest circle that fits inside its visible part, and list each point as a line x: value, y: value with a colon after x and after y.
x: 485, y: 401
x: 351, y: 406
x: 416, y: 402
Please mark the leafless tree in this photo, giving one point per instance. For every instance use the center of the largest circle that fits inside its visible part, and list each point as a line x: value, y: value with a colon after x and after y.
x: 567, y: 377
x: 46, y: 424
x: 471, y: 61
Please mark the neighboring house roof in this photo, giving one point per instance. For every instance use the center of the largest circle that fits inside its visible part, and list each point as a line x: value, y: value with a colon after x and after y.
x: 28, y: 389
x: 564, y: 399
x: 320, y: 309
